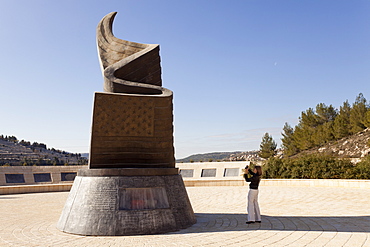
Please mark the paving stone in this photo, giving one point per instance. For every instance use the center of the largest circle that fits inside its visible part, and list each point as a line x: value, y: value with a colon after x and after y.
x: 291, y: 216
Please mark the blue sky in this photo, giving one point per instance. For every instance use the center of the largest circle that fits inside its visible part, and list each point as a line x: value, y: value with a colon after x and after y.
x: 238, y: 69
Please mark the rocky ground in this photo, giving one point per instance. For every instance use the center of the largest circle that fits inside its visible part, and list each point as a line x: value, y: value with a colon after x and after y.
x: 354, y: 147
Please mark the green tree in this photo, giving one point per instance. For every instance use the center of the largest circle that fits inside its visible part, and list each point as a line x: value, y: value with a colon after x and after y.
x: 358, y: 114
x: 341, y: 123
x: 325, y: 124
x: 325, y: 113
x: 305, y: 130
x: 288, y: 143
x: 367, y: 119
x: 267, y: 146
x: 325, y: 116
x: 314, y: 166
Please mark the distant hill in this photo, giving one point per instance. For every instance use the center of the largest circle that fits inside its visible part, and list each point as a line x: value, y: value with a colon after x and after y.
x: 86, y: 155
x: 217, y: 156
x: 355, y: 147
x: 16, y: 153
x: 221, y: 156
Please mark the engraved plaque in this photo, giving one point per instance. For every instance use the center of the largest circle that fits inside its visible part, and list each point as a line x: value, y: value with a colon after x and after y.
x: 68, y: 176
x: 103, y: 199
x: 187, y: 173
x: 208, y: 173
x: 231, y: 172
x: 42, y: 177
x: 14, y: 178
x: 143, y: 198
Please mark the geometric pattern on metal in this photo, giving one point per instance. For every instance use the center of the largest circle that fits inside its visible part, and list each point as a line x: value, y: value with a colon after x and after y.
x: 123, y: 116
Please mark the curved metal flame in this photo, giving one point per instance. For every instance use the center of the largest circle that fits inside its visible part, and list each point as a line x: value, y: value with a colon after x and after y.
x: 128, y: 67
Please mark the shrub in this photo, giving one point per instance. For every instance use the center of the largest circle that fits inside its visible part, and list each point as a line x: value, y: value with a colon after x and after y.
x: 315, y: 166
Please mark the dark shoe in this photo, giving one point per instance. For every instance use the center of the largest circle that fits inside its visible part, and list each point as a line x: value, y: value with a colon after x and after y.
x: 249, y: 222
x: 258, y: 221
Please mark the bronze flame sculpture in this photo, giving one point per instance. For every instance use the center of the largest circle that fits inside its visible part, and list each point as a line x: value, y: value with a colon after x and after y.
x: 131, y: 185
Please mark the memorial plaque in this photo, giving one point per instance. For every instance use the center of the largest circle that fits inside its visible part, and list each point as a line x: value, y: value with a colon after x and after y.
x: 103, y: 199
x: 187, y: 173
x: 231, y: 172
x: 68, y: 176
x: 208, y: 173
x: 41, y: 177
x: 143, y: 198
x: 14, y: 178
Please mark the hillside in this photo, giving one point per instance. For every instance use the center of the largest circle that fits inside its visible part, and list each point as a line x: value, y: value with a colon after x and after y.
x: 221, y: 156
x: 355, y: 147
x: 23, y: 153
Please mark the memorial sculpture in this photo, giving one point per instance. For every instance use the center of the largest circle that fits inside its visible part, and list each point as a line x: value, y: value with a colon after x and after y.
x: 131, y: 185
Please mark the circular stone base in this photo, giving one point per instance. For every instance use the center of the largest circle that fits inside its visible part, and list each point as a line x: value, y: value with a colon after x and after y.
x: 127, y: 172
x: 126, y: 205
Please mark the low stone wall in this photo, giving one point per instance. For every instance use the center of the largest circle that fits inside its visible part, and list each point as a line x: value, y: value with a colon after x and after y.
x: 211, y: 170
x: 230, y: 174
x: 37, y: 188
x: 212, y: 173
x: 32, y: 175
x: 193, y: 174
x: 338, y: 183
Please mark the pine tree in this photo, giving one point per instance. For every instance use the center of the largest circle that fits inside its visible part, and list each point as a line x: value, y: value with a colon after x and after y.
x: 367, y: 119
x: 288, y: 143
x: 305, y: 130
x: 341, y: 122
x: 357, y: 114
x: 325, y: 116
x: 267, y: 147
x: 323, y: 134
x: 325, y: 113
x: 325, y: 124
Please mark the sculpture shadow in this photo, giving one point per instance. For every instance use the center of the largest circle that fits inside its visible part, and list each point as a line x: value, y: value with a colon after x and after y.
x: 213, y: 222
x: 8, y: 197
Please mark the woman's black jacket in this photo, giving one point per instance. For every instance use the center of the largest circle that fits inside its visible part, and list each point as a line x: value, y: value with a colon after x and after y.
x: 254, y: 180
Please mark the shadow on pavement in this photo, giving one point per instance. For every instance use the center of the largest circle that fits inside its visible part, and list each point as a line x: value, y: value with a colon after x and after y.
x: 8, y: 197
x: 208, y: 222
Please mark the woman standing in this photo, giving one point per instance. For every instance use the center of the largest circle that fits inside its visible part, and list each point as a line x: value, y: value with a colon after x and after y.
x: 253, y: 208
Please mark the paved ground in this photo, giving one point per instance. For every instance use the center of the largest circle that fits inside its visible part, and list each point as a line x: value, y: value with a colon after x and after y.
x: 292, y: 216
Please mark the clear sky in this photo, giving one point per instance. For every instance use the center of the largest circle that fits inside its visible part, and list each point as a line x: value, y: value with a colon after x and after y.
x: 238, y: 69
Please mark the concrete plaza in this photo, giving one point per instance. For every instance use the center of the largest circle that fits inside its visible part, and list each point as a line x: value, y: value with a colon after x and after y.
x: 292, y: 216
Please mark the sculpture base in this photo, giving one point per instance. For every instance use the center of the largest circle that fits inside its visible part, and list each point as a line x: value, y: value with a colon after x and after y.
x: 103, y: 202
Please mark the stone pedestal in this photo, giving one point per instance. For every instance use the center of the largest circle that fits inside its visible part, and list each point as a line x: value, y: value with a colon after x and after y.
x: 114, y: 202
